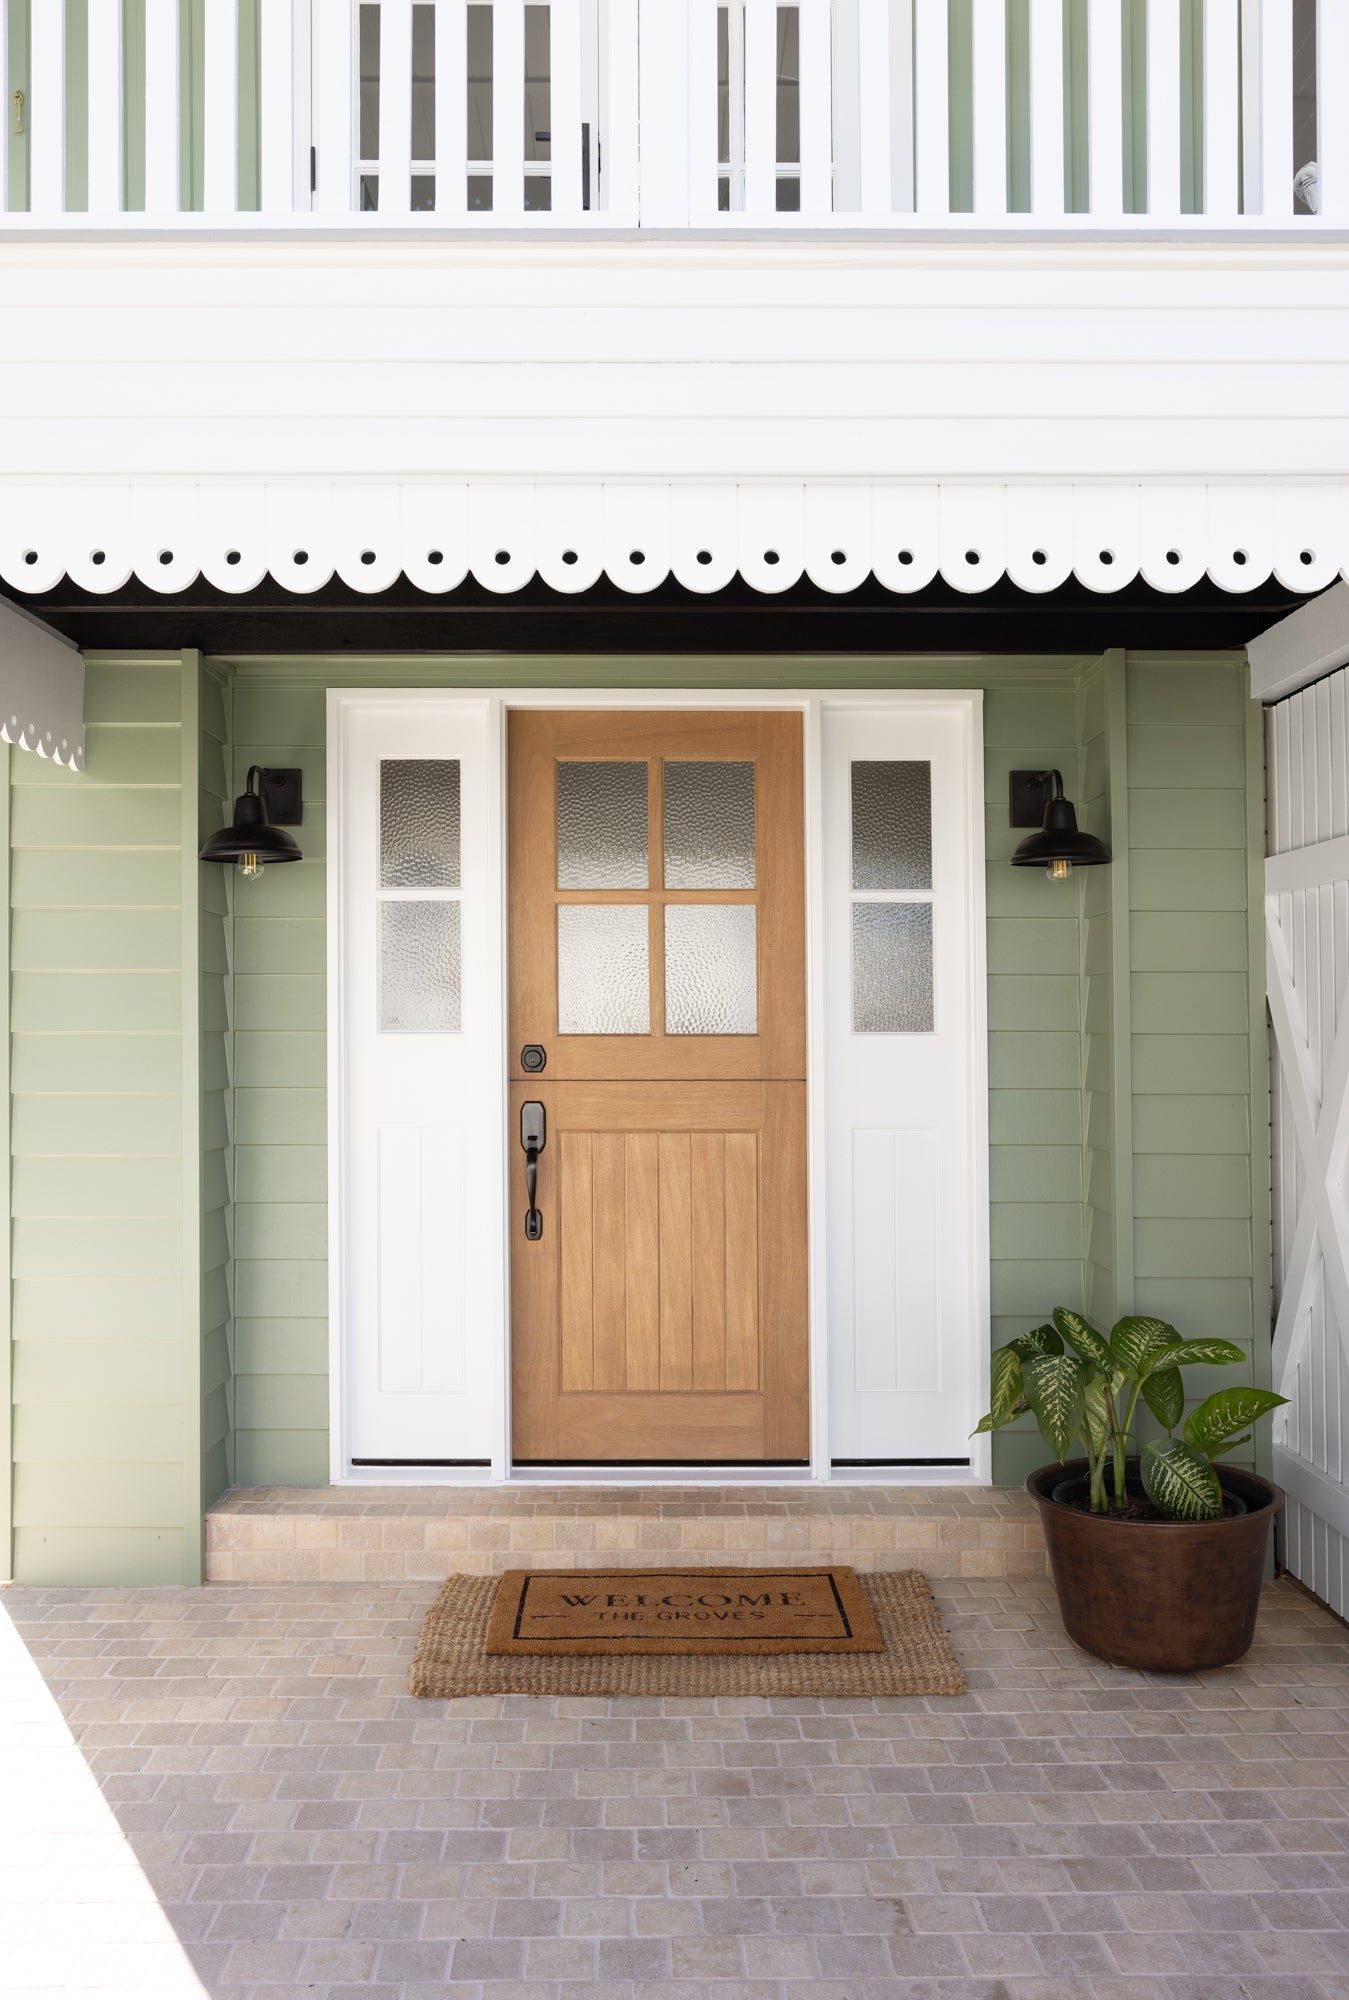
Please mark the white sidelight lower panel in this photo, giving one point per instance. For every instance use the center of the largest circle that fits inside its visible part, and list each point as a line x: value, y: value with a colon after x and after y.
x: 905, y: 1083
x: 416, y: 1068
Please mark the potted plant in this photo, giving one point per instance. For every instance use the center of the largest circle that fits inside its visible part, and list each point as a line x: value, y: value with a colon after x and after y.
x: 1157, y: 1553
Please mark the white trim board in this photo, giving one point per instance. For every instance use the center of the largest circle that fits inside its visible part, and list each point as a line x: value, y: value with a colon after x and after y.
x: 1308, y: 644
x: 497, y: 1159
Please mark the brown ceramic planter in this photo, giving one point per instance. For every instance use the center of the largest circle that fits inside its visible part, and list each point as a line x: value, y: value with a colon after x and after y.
x: 1163, y: 1596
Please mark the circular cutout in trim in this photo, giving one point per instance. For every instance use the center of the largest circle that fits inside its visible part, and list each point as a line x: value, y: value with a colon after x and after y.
x: 704, y: 556
x: 637, y: 556
x: 1240, y: 558
x: 233, y: 558
x: 367, y: 557
x: 435, y: 557
x: 1039, y: 557
x: 166, y: 556
x: 906, y: 557
x: 301, y: 556
x: 570, y: 557
x: 1307, y: 557
x: 972, y: 557
x: 839, y: 556
x: 1173, y: 557
x: 502, y: 557
x: 1106, y: 557
x: 30, y: 555
x: 98, y: 557
x: 771, y: 557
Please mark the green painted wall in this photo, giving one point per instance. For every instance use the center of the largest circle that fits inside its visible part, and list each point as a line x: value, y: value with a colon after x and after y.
x: 103, y: 1136
x: 168, y: 1132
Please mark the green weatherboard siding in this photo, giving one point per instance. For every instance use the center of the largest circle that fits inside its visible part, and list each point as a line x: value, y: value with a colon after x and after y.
x: 169, y: 1133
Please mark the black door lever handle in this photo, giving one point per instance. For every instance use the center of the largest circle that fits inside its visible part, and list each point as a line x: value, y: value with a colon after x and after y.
x: 533, y: 1139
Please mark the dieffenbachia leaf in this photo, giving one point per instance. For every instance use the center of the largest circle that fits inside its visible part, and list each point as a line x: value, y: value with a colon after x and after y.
x: 1164, y: 1393
x: 1218, y: 1353
x: 1040, y: 1340
x: 1180, y: 1482
x: 1214, y: 1426
x: 1136, y: 1341
x: 1005, y: 1390
x: 1054, y: 1386
x: 1084, y: 1339
x: 1096, y: 1414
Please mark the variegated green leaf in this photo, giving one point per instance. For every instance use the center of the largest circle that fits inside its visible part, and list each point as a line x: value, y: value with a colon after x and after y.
x: 1054, y: 1389
x: 1040, y: 1340
x: 1096, y: 1414
x: 1213, y: 1427
x: 1180, y: 1482
x: 1007, y: 1398
x: 1084, y: 1339
x: 1135, y: 1341
x: 1164, y: 1393
x: 1218, y: 1353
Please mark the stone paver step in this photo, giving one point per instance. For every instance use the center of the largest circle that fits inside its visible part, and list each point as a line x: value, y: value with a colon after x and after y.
x: 398, y: 1534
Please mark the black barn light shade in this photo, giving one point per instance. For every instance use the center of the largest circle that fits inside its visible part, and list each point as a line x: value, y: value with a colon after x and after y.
x: 1059, y: 846
x: 255, y: 840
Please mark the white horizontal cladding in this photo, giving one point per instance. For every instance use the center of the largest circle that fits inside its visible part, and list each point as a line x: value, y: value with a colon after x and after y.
x: 41, y: 689
x: 772, y: 533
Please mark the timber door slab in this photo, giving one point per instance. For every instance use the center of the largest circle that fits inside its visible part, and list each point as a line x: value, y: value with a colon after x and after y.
x: 657, y: 957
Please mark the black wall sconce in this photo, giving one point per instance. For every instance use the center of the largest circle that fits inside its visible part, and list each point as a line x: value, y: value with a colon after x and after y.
x: 256, y: 840
x: 1037, y: 800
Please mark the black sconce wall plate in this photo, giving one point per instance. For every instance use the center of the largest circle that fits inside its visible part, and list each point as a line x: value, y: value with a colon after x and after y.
x: 281, y: 788
x: 1027, y: 794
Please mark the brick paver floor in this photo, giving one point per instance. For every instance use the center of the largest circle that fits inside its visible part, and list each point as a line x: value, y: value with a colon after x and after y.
x: 269, y: 1807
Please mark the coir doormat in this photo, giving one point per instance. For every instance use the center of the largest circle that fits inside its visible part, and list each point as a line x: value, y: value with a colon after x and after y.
x: 452, y: 1660
x: 681, y: 1611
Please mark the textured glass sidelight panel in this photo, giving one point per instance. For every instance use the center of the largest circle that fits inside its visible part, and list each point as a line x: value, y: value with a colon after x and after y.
x: 892, y: 968
x: 709, y: 826
x: 603, y: 969
x: 711, y: 969
x: 601, y: 826
x: 892, y: 825
x: 419, y: 823
x: 420, y: 966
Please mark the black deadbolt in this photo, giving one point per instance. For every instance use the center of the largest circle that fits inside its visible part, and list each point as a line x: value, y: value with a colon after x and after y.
x: 532, y: 1059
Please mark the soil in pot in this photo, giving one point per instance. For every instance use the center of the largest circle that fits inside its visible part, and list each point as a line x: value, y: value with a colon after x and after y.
x: 1076, y: 1492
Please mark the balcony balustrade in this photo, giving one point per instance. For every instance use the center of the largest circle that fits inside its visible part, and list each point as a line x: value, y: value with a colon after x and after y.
x: 889, y: 117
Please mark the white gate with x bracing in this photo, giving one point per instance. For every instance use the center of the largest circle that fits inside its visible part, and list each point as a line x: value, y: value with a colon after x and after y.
x: 1307, y: 972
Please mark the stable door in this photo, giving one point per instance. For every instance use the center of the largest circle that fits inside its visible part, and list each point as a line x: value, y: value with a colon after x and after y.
x: 657, y: 1044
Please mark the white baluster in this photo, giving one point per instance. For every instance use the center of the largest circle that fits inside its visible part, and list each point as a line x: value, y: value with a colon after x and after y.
x: 564, y: 115
x: 702, y: 98
x: 105, y: 107
x: 761, y: 108
x: 1332, y: 83
x: 161, y: 107
x: 1251, y: 110
x: 816, y: 108
x: 395, y: 107
x: 45, y: 112
x: 508, y: 108
x: 932, y: 109
x: 873, y: 107
x: 276, y: 113
x: 989, y: 37
x: 663, y: 111
x: 334, y: 27
x: 902, y: 135
x: 1222, y: 89
x: 1105, y: 108
x: 1163, y: 108
x: 1276, y: 110
x: 451, y: 108
x: 220, y: 147
x: 1046, y: 108
x: 619, y: 183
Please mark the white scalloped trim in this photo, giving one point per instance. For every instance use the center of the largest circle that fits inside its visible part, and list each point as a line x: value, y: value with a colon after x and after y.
x: 771, y: 534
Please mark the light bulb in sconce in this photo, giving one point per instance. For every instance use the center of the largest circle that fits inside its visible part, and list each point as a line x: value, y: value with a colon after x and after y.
x: 1059, y: 870
x: 249, y: 865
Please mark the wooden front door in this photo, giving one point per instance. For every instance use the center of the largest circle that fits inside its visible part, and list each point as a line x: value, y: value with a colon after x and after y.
x: 657, y: 960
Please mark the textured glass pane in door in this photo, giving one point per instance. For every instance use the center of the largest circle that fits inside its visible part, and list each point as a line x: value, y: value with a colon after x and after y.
x: 711, y: 969
x: 709, y: 826
x: 603, y: 969
x: 892, y: 825
x: 892, y: 968
x: 419, y: 823
x: 601, y: 825
x: 420, y: 966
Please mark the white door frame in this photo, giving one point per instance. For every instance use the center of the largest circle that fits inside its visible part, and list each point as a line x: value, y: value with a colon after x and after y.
x: 500, y: 1158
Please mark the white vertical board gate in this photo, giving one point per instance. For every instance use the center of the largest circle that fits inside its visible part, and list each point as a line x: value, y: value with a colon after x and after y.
x: 1307, y: 974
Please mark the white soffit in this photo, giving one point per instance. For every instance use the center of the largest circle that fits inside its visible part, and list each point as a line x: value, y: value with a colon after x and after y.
x: 41, y: 689
x: 637, y: 534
